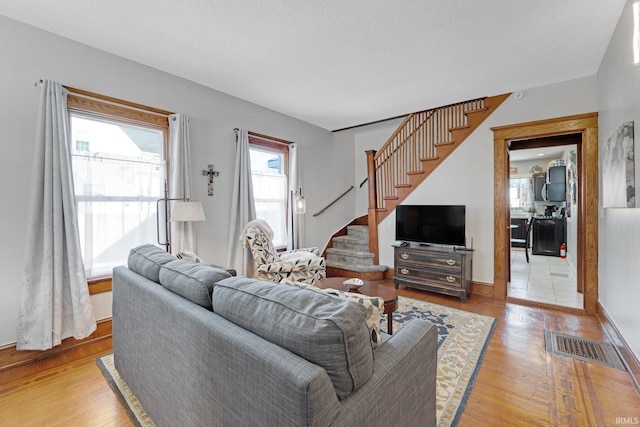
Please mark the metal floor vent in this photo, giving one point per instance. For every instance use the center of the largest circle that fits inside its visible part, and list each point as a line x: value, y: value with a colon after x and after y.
x: 583, y: 349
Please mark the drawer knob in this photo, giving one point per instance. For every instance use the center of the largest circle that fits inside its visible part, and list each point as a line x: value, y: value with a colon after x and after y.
x: 451, y: 279
x: 404, y: 256
x: 404, y: 271
x: 451, y: 261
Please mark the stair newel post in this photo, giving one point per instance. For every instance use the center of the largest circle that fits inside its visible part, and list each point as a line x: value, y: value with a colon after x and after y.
x: 372, y: 211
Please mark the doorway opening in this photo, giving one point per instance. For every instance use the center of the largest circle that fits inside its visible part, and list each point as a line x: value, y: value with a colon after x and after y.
x: 544, y: 220
x: 586, y: 203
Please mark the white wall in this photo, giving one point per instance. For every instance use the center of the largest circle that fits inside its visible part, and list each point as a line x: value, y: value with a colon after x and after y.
x: 29, y: 54
x: 466, y: 176
x: 618, y: 83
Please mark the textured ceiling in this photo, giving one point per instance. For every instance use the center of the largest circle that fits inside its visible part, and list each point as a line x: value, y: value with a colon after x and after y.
x: 337, y: 63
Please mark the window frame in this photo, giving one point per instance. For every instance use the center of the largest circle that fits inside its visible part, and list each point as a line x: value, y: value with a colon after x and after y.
x: 280, y: 146
x: 93, y: 105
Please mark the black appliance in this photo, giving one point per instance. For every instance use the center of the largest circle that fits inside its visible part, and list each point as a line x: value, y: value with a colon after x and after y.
x: 548, y: 235
x: 436, y: 224
x: 555, y: 187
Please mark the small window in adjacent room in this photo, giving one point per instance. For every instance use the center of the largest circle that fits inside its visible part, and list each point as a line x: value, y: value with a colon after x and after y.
x: 269, y: 173
x: 636, y: 33
x: 520, y: 193
x: 119, y: 170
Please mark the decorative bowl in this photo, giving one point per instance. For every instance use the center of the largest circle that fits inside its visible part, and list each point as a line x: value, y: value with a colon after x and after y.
x: 353, y: 284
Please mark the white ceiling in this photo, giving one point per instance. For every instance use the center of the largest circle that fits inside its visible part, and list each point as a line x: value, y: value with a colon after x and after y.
x: 543, y: 153
x: 337, y: 63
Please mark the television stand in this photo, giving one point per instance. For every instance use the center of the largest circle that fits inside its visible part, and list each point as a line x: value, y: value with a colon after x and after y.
x: 443, y: 270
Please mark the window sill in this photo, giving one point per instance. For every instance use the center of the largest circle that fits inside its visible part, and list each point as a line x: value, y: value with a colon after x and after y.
x: 99, y: 285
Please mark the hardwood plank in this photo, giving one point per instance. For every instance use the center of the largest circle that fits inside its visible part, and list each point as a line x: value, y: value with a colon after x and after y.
x: 75, y: 394
x: 16, y: 364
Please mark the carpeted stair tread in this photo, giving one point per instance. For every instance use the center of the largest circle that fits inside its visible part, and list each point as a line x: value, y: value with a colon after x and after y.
x: 356, y: 267
x: 347, y: 252
x: 350, y: 242
x: 347, y: 256
x: 358, y: 231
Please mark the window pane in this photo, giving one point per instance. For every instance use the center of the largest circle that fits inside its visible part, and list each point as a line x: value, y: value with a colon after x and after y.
x: 118, y: 174
x: 520, y: 193
x: 270, y: 191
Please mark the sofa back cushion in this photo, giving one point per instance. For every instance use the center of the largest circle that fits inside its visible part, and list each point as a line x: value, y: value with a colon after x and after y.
x: 326, y: 331
x: 192, y: 280
x: 146, y: 260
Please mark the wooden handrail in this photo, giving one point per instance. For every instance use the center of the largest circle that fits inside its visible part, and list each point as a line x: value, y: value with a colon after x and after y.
x: 414, y: 140
x: 414, y: 150
x: 332, y: 203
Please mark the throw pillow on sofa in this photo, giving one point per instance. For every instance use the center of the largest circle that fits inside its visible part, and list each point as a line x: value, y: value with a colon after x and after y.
x: 316, y: 326
x: 373, y: 305
x: 192, y: 280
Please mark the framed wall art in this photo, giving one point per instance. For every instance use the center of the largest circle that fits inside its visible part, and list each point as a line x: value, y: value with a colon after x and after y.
x: 618, y: 169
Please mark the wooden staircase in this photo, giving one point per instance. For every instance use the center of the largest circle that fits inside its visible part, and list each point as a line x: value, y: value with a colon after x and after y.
x: 417, y: 147
x: 421, y: 143
x: 347, y: 254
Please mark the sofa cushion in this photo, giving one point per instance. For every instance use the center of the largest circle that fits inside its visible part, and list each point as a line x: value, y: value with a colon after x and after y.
x: 146, y: 260
x: 373, y: 305
x: 316, y: 326
x: 191, y: 280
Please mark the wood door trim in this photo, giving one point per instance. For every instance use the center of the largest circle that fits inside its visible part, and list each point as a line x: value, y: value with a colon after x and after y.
x: 587, y: 245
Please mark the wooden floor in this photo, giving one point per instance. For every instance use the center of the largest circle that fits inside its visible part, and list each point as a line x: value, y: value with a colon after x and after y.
x: 518, y: 384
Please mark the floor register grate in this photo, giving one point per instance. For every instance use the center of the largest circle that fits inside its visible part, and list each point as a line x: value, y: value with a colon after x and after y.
x: 583, y: 349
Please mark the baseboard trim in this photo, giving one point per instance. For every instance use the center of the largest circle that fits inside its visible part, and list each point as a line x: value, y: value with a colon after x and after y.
x: 13, y: 362
x: 616, y: 338
x: 481, y: 288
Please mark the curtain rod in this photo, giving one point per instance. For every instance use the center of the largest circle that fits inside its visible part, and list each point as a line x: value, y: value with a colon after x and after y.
x: 103, y: 98
x: 267, y: 138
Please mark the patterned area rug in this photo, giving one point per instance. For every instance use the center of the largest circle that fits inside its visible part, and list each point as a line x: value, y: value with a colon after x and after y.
x: 462, y: 339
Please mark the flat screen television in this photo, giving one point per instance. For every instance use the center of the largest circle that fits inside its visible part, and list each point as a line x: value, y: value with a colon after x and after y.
x: 431, y: 224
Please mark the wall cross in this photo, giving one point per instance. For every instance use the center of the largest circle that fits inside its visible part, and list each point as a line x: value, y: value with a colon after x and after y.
x: 210, y: 173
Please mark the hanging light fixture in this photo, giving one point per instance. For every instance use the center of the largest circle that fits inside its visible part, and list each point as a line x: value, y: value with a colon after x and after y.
x: 299, y: 203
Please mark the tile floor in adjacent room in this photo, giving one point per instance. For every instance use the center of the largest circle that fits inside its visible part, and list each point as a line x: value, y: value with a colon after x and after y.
x: 544, y: 279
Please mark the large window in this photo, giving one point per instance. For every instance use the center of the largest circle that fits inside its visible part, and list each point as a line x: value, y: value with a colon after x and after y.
x: 119, y: 172
x: 269, y: 173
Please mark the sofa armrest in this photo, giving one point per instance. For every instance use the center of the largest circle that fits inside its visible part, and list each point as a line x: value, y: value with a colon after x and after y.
x: 402, y: 390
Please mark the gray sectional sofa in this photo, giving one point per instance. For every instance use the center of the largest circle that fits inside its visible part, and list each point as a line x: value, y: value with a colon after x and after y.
x: 200, y: 347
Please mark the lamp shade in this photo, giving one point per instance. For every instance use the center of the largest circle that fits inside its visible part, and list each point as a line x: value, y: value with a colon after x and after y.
x: 299, y: 204
x: 187, y: 211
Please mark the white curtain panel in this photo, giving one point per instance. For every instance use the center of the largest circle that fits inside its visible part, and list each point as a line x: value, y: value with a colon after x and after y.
x: 243, y: 208
x: 54, y: 302
x: 183, y: 236
x: 296, y: 230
